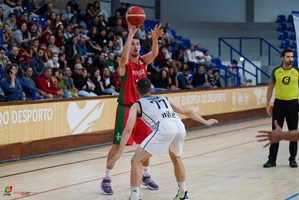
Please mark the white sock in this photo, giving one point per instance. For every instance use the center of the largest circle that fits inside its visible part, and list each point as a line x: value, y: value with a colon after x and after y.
x: 146, y: 171
x: 108, y: 173
x: 182, y: 186
x: 134, y: 193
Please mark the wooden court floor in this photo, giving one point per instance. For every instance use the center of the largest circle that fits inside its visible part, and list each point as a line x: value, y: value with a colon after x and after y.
x: 222, y: 162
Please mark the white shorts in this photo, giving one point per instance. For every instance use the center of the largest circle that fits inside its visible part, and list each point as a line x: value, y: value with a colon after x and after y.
x: 170, y: 133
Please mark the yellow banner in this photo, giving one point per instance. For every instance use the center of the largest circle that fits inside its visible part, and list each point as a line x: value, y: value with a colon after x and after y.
x: 34, y: 121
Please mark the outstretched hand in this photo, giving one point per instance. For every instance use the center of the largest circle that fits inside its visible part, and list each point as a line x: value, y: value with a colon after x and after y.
x: 157, y: 32
x: 271, y: 136
x: 212, y: 121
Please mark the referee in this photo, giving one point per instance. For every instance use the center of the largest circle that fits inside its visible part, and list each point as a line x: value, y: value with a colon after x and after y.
x: 285, y: 79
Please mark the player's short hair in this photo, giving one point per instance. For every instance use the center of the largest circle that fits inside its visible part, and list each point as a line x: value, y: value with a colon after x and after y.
x: 286, y: 51
x: 144, y: 86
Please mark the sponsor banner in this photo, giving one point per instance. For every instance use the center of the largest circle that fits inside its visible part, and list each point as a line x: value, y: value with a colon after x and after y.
x: 212, y: 102
x: 29, y: 122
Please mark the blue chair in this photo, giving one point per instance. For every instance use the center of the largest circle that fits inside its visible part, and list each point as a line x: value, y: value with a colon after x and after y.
x: 294, y: 44
x: 295, y: 63
x: 282, y: 27
x: 34, y: 19
x: 284, y: 44
x: 293, y: 35
x: 283, y: 35
x: 290, y: 19
x: 291, y: 27
x: 281, y: 19
x: 295, y: 53
x: 42, y: 21
x: 217, y: 61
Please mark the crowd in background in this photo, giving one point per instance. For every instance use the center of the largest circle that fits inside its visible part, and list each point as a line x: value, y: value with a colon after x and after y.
x: 53, y: 53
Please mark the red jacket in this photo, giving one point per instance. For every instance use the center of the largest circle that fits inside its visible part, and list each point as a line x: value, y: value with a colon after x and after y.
x: 46, y: 85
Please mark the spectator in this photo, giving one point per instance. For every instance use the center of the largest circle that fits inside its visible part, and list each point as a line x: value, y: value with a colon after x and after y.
x: 7, y: 35
x: 24, y: 53
x: 116, y: 80
x: 88, y: 64
x: 3, y: 60
x: 106, y: 81
x: 46, y: 84
x: 71, y: 49
x: 59, y: 38
x: 29, y: 81
x: 100, y: 61
x: 93, y: 44
x: 62, y: 61
x: 22, y: 19
x: 96, y: 80
x: 160, y: 60
x: 110, y: 63
x: 104, y: 15
x: 99, y: 22
x: 237, y: 78
x: 10, y: 84
x: 34, y: 47
x: 1, y: 17
x: 2, y: 95
x: 183, y: 79
x: 162, y: 81
x: 51, y: 45
x: 69, y: 82
x: 191, y: 58
x: 174, y: 85
x: 81, y: 46
x: 33, y: 30
x: 178, y: 58
x: 21, y: 35
x: 12, y: 22
x: 141, y: 34
x: 68, y: 14
x: 200, y: 78
x: 15, y: 58
x: 53, y: 61
x: 68, y: 34
x: 37, y: 64
x: 217, y: 78
x: 81, y: 83
x: 59, y: 82
x: 45, y: 36
x: 75, y: 9
x: 208, y: 59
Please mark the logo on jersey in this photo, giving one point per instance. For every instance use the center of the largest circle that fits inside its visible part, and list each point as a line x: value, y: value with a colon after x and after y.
x: 286, y: 80
x: 138, y: 73
x: 80, y: 120
x: 141, y: 62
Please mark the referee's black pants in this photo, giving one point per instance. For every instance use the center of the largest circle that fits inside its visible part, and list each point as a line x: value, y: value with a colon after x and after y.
x: 285, y: 109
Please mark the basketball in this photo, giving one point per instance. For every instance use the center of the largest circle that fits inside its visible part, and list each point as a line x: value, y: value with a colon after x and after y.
x: 135, y: 16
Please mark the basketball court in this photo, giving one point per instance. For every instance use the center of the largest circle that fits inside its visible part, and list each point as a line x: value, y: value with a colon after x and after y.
x: 222, y: 162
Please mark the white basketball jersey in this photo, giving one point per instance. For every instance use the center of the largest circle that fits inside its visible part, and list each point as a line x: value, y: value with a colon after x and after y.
x: 154, y: 109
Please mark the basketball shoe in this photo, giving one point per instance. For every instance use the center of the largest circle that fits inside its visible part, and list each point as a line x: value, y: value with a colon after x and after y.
x: 106, y: 186
x: 181, y: 196
x: 149, y: 183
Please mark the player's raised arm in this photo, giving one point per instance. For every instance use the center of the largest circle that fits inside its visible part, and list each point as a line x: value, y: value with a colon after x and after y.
x: 150, y: 56
x: 126, y: 50
x: 191, y: 114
